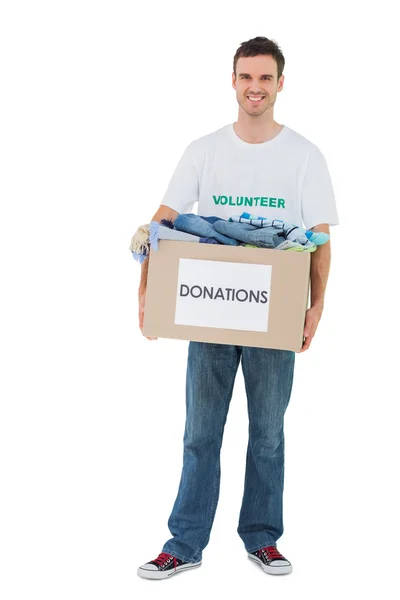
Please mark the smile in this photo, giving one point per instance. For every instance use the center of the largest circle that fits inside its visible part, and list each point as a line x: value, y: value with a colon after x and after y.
x: 255, y: 99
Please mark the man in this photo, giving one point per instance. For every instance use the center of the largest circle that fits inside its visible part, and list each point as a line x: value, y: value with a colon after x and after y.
x: 286, y: 177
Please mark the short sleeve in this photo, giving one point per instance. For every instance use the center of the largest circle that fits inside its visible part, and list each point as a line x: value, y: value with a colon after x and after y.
x: 318, y: 204
x: 183, y: 188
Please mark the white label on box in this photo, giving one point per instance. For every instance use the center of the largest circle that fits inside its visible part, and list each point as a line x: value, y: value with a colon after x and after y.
x: 223, y: 294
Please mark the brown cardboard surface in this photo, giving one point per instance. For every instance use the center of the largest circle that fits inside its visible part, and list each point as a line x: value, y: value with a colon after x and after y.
x: 288, y: 295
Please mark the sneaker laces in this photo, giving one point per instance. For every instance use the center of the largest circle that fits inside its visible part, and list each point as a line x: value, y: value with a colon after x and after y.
x: 272, y: 553
x: 163, y: 557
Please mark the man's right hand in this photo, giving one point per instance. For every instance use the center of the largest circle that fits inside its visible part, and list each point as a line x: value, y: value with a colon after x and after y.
x: 141, y: 302
x: 164, y: 212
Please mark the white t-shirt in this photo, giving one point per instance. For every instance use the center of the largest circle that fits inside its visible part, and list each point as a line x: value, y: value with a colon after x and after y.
x: 284, y: 178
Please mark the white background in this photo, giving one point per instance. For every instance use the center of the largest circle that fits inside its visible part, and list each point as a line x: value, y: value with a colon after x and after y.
x: 98, y: 102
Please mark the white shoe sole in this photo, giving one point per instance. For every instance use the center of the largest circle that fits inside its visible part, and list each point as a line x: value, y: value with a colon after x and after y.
x: 155, y: 574
x: 283, y: 570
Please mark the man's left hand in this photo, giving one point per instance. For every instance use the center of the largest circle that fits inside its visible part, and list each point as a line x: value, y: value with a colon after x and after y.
x: 313, y: 316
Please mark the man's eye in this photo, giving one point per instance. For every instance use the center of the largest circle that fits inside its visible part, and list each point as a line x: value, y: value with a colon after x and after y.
x: 246, y: 77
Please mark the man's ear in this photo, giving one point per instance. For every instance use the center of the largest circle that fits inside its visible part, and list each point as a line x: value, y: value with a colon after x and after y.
x: 233, y: 81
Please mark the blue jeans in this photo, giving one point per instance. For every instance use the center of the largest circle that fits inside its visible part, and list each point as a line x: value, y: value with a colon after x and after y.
x: 210, y: 376
x: 262, y: 237
x: 197, y: 225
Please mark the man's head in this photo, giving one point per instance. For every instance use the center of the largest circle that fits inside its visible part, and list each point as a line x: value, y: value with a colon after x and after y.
x: 257, y: 73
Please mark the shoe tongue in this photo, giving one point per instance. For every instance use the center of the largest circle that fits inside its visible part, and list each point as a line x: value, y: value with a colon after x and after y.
x: 273, y: 552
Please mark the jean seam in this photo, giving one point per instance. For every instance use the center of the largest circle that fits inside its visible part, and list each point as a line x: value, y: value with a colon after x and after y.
x: 291, y: 376
x: 218, y: 473
x: 249, y: 444
x: 213, y: 508
x: 245, y: 484
x: 262, y: 546
x: 283, y: 432
x: 181, y: 557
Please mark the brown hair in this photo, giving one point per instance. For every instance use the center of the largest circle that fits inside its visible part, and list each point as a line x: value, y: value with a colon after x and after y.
x: 260, y: 45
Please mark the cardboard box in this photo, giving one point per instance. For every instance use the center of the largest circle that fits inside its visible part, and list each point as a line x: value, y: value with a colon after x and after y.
x: 227, y: 295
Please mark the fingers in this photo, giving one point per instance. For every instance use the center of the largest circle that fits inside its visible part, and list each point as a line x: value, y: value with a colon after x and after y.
x: 308, y: 339
x: 141, y: 300
x: 306, y: 344
x: 141, y: 317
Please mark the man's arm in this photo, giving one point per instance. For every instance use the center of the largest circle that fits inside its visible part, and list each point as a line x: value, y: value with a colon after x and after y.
x: 320, y: 265
x: 164, y: 212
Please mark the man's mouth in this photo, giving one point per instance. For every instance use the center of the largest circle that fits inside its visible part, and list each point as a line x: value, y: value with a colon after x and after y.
x: 255, y: 99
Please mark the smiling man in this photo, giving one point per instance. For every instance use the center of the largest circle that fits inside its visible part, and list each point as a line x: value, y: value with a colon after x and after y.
x: 274, y: 172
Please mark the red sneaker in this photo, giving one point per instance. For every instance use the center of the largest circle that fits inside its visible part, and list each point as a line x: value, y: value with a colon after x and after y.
x: 164, y: 566
x: 271, y: 561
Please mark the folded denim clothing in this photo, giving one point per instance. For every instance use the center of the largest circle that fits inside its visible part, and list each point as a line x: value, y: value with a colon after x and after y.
x: 203, y: 240
x: 292, y: 232
x: 209, y: 241
x: 197, y: 225
x: 162, y: 232
x: 215, y: 230
x: 261, y: 236
x: 266, y: 237
x: 140, y: 243
x: 287, y: 245
x: 211, y: 220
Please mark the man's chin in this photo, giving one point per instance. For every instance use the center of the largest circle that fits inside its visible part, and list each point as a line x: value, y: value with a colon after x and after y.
x: 255, y: 112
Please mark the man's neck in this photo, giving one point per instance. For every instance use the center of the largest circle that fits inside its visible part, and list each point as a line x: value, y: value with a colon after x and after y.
x: 254, y: 132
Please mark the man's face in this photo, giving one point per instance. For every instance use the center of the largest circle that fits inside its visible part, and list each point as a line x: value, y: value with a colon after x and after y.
x: 256, y: 83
